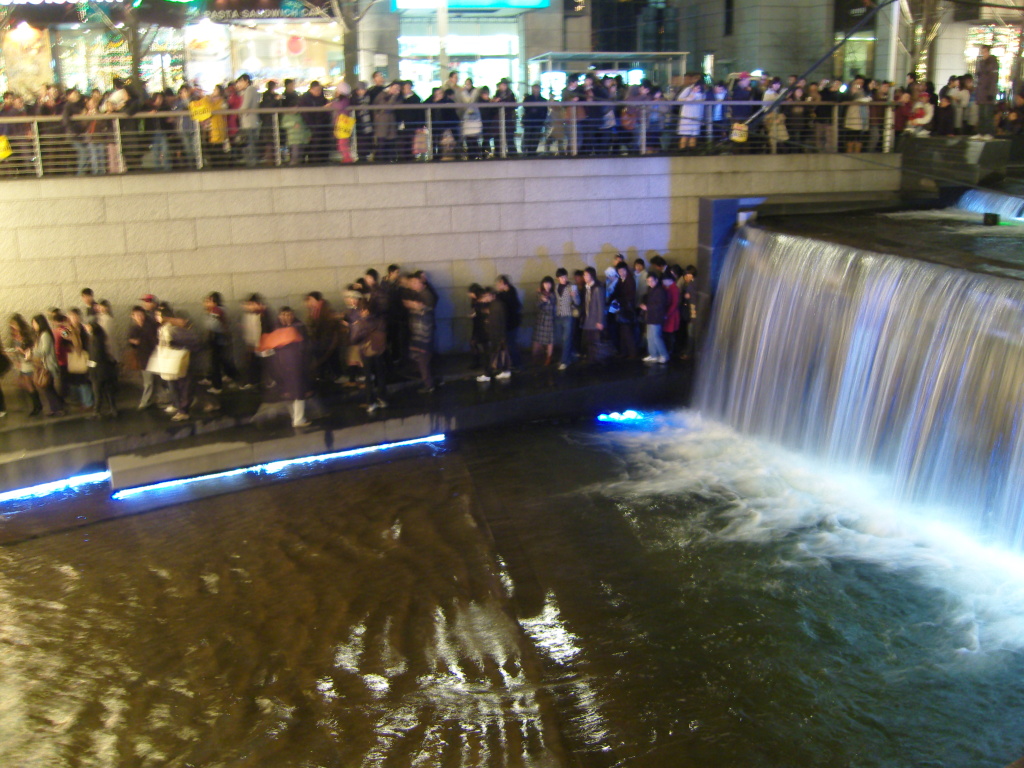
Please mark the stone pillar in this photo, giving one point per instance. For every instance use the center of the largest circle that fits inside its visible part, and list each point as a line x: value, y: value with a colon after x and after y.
x: 378, y: 42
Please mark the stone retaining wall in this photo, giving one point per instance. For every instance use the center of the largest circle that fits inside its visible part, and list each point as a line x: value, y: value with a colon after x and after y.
x: 284, y: 232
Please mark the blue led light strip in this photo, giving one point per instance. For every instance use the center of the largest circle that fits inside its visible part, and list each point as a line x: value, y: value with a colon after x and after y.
x: 622, y: 417
x: 275, y: 466
x: 45, y: 489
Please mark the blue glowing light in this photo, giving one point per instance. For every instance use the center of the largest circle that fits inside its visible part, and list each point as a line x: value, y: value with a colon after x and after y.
x: 625, y: 416
x: 45, y: 489
x: 274, y: 467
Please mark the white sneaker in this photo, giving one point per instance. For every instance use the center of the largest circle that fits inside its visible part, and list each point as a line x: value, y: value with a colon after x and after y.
x: 661, y: 360
x: 170, y: 409
x: 504, y: 375
x: 381, y: 404
x: 180, y: 416
x: 2, y: 414
x: 483, y: 378
x: 562, y: 366
x: 303, y: 423
x: 650, y: 359
x: 214, y: 391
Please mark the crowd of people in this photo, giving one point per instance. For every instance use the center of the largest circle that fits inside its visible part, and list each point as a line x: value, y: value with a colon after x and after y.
x: 385, y: 121
x: 384, y: 332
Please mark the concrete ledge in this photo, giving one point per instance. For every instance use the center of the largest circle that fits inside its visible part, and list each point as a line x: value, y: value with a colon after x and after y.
x: 133, y: 470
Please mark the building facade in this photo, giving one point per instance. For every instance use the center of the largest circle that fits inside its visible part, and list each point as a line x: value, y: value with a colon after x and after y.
x: 211, y: 41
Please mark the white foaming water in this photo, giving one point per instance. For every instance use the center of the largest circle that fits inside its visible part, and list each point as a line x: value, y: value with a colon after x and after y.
x: 986, y: 201
x: 773, y: 495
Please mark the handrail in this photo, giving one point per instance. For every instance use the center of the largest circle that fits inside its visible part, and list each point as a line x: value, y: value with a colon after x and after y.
x: 116, y: 142
x: 432, y: 105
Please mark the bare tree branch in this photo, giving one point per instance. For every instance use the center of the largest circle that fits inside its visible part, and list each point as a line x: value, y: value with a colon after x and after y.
x: 359, y: 16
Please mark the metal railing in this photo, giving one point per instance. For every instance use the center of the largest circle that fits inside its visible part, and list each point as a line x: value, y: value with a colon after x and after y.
x: 173, y: 141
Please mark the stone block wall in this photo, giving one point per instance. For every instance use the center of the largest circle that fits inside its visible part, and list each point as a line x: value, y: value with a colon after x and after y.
x: 284, y: 232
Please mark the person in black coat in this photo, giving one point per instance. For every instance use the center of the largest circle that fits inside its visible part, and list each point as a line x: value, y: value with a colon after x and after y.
x: 534, y: 117
x: 655, y: 307
x: 318, y: 120
x: 509, y: 297
x: 102, y: 372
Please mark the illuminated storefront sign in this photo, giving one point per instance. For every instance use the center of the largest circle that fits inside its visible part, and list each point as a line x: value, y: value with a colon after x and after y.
x: 55, y: 2
x: 476, y: 5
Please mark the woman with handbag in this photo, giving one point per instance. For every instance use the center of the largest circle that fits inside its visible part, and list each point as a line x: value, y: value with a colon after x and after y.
x: 24, y: 340
x: 172, y: 360
x: 46, y: 372
x: 76, y: 342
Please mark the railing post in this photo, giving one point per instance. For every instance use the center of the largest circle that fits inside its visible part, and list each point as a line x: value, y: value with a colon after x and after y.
x: 198, y: 139
x: 120, y: 149
x: 833, y: 140
x: 574, y: 132
x: 276, y: 125
x: 37, y: 147
x: 354, y: 146
x: 430, y: 133
x: 887, y: 129
x: 644, y: 117
x: 501, y: 133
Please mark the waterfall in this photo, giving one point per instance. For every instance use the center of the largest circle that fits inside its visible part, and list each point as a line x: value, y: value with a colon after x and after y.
x: 907, y: 369
x: 985, y: 201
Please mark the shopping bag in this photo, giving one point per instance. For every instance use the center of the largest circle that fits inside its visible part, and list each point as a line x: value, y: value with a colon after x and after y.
x: 739, y: 132
x: 169, y: 363
x: 343, y: 126
x: 5, y: 147
x: 200, y: 110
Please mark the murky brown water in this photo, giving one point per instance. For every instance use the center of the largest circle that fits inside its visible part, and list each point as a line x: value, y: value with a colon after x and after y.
x: 330, y: 621
x: 676, y: 596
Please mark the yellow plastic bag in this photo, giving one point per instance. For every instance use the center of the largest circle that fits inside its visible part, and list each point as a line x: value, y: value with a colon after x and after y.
x: 343, y: 126
x: 5, y: 148
x: 739, y: 133
x: 200, y: 110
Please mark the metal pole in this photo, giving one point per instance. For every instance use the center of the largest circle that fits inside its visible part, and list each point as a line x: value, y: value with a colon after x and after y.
x: 501, y: 127
x: 276, y: 127
x: 38, y: 149
x: 198, y: 139
x: 120, y: 148
x: 887, y: 129
x: 834, y: 138
x: 430, y: 133
x: 643, y: 129
x: 574, y: 130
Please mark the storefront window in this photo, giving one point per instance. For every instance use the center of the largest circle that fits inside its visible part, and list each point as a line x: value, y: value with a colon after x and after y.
x: 91, y: 57
x: 857, y: 57
x: 485, y: 52
x: 277, y: 49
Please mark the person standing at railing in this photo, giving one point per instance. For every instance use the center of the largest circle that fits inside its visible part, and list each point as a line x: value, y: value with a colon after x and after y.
x: 96, y: 136
x: 534, y: 118
x: 186, y: 127
x: 158, y: 129
x: 216, y: 128
x: 249, y: 121
x: 506, y: 134
x: 341, y: 106
x: 269, y: 100
x: 385, y: 124
x: 318, y: 120
x: 410, y: 122
x: 75, y: 129
x: 691, y: 114
x: 470, y: 126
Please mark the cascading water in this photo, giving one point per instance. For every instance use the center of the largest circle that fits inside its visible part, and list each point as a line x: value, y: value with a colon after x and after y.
x: 986, y: 201
x: 878, y: 362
